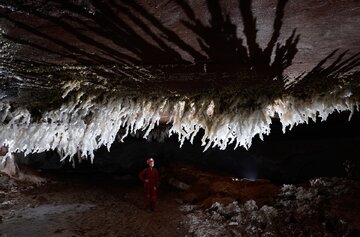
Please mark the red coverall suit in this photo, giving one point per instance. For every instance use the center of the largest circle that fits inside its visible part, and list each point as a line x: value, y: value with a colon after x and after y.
x: 152, y: 175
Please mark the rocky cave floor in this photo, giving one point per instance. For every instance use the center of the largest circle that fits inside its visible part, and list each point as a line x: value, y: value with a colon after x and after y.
x: 192, y: 202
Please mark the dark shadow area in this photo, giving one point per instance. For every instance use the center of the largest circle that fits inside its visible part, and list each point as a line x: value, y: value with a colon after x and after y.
x: 326, y: 77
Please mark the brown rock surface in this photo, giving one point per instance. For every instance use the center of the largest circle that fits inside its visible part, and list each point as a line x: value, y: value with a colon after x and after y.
x: 207, y: 185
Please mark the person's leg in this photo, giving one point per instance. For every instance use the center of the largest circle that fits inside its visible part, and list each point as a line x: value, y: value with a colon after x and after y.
x: 153, y: 198
x: 148, y: 197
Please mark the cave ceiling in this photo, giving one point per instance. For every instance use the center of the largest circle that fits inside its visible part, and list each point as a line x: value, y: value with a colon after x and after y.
x: 177, y: 47
x: 55, y: 52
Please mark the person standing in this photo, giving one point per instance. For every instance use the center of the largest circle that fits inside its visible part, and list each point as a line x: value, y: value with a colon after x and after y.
x: 150, y: 177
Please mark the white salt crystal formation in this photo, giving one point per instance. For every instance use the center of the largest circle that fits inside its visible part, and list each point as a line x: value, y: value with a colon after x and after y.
x: 83, y: 125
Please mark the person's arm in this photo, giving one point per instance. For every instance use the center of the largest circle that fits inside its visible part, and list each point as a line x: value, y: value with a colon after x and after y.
x: 141, y: 175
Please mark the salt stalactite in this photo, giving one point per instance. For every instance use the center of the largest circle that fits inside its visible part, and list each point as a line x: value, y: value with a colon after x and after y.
x: 8, y: 165
x: 83, y: 125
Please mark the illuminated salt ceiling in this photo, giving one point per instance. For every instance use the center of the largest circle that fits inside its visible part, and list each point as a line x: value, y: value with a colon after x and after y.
x: 81, y: 70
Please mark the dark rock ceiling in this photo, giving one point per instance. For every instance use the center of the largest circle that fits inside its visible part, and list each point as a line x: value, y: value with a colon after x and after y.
x: 173, y: 47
